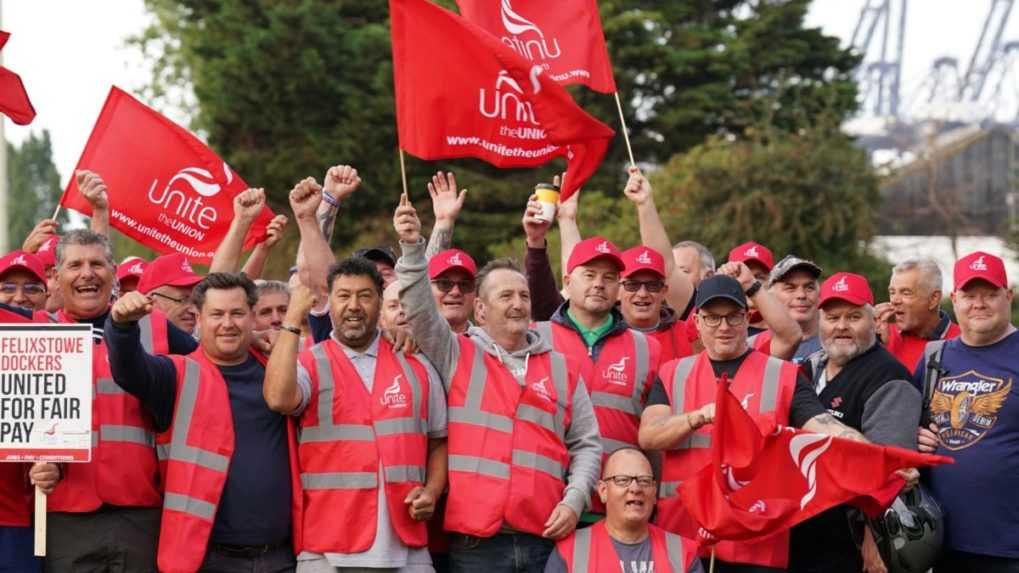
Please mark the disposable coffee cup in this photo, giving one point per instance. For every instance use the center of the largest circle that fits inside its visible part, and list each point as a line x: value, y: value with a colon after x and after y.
x: 548, y: 196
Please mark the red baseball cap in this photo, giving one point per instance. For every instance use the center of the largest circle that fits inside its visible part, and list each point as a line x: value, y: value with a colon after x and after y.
x: 849, y: 287
x: 451, y: 259
x: 641, y: 258
x: 172, y: 270
x: 131, y: 267
x: 25, y: 261
x: 980, y: 265
x: 47, y: 253
x: 591, y: 249
x: 752, y: 252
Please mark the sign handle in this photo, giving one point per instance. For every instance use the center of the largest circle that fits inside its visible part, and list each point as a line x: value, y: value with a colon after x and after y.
x: 40, y: 523
x: 711, y: 567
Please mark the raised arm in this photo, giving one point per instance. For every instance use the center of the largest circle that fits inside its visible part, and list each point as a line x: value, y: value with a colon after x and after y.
x: 429, y: 328
x: 93, y: 189
x: 41, y: 233
x: 255, y: 265
x: 280, y: 389
x: 545, y: 296
x: 569, y: 231
x: 785, y: 332
x: 652, y: 234
x: 446, y: 204
x: 315, y: 256
x: 247, y: 206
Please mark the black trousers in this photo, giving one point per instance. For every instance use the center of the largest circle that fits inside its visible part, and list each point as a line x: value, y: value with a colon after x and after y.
x: 109, y: 540
x: 960, y: 562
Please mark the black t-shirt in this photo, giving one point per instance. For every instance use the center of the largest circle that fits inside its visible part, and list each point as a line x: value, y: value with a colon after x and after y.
x: 805, y: 403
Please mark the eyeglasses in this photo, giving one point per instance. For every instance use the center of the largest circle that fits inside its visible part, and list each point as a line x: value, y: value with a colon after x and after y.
x: 645, y: 482
x: 650, y: 286
x: 466, y: 286
x: 31, y: 289
x: 714, y: 320
x: 169, y: 298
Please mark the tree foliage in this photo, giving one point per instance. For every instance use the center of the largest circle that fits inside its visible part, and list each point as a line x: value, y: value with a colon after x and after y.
x: 33, y: 186
x: 284, y: 89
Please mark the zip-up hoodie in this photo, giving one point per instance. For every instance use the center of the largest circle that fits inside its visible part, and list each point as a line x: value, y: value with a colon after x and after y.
x: 436, y: 341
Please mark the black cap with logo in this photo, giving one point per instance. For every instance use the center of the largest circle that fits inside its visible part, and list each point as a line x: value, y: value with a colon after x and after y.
x: 720, y: 286
x: 379, y: 254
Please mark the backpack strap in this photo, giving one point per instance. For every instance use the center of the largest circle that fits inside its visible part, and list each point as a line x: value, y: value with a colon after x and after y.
x: 933, y: 372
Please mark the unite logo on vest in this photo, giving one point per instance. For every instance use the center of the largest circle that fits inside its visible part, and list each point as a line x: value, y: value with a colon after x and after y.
x: 541, y: 390
x: 393, y: 397
x: 616, y: 373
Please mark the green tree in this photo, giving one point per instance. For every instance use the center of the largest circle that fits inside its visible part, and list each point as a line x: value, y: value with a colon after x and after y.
x: 33, y: 186
x: 284, y: 89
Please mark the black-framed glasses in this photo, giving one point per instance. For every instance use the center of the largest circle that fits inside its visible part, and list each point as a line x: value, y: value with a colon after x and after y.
x: 31, y: 289
x: 169, y: 298
x: 651, y: 286
x: 645, y: 481
x: 714, y: 320
x: 466, y: 286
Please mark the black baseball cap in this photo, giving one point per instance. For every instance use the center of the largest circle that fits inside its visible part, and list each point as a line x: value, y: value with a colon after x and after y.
x: 378, y: 254
x: 720, y: 286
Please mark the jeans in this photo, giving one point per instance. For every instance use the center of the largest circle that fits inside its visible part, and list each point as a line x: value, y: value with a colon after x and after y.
x: 16, y: 547
x: 501, y: 553
x: 277, y: 560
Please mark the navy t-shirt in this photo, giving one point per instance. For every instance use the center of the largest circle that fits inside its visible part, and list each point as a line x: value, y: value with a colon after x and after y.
x: 976, y: 408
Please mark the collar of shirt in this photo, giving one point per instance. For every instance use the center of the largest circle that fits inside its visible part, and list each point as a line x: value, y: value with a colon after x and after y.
x: 371, y: 352
x: 944, y: 322
x: 591, y: 335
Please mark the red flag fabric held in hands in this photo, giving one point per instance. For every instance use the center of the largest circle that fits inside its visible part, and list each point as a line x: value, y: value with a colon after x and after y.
x: 166, y: 189
x: 14, y: 102
x: 460, y: 92
x: 764, y: 482
x: 564, y: 37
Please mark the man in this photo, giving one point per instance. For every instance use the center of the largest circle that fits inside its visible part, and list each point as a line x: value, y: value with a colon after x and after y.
x: 105, y: 511
x: 227, y: 501
x: 384, y: 259
x: 393, y: 319
x: 129, y: 273
x: 271, y: 307
x: 974, y: 418
x: 681, y: 405
x: 625, y: 540
x: 23, y: 281
x: 452, y: 273
x: 373, y: 432
x: 523, y: 439
x: 867, y: 389
x: 642, y: 303
x: 793, y: 282
x: 912, y: 317
x: 761, y: 261
x: 168, y: 280
x: 694, y: 259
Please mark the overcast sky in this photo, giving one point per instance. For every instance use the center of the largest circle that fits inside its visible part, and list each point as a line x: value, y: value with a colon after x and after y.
x: 70, y: 52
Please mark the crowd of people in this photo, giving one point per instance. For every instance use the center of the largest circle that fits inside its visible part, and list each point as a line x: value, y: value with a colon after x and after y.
x: 414, y: 412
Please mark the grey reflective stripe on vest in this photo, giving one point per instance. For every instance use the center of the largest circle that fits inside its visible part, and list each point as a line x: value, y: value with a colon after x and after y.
x: 326, y: 430
x: 582, y: 550
x: 674, y: 552
x: 544, y: 329
x: 669, y: 488
x: 474, y: 464
x: 129, y: 434
x: 538, y: 416
x: 145, y: 325
x: 108, y: 386
x: 640, y: 351
x: 340, y: 480
x: 562, y: 389
x: 163, y: 452
x: 184, y: 504
x: 398, y: 474
x: 470, y: 412
x: 769, y: 390
x: 683, y: 369
x: 752, y: 339
x: 614, y: 402
x: 539, y: 463
x: 180, y: 451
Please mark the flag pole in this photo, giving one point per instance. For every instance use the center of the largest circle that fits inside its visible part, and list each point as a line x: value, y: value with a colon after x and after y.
x: 711, y: 567
x: 403, y: 174
x: 626, y: 134
x: 56, y: 211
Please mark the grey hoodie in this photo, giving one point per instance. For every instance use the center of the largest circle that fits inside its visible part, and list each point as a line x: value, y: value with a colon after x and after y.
x: 439, y: 344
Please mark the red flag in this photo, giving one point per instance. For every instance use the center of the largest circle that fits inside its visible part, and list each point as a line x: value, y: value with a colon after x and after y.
x: 167, y: 190
x: 759, y: 483
x: 14, y: 102
x: 460, y: 92
x: 564, y: 37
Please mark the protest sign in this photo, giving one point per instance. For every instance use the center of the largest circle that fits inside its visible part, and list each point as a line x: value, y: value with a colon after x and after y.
x: 45, y: 392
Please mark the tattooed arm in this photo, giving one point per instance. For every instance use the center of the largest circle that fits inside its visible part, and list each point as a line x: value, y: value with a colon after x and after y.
x: 827, y: 424
x: 661, y: 430
x: 446, y: 204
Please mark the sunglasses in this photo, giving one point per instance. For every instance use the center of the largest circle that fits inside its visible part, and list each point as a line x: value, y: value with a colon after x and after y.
x: 31, y: 289
x: 169, y: 298
x: 466, y: 286
x: 650, y: 286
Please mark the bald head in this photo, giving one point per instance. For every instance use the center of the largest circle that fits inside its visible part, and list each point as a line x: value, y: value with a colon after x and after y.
x: 626, y: 461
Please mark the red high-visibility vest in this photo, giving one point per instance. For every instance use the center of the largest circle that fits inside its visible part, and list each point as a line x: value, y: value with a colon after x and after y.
x: 123, y: 470
x: 674, y: 341
x: 590, y: 550
x: 765, y: 386
x: 197, y: 456
x: 346, y: 432
x: 507, y: 442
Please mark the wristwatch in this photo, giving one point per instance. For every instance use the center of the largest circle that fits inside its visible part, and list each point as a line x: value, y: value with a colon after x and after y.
x: 290, y: 328
x: 750, y: 292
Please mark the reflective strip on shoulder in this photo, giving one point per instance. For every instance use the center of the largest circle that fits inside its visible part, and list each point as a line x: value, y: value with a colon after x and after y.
x: 398, y: 474
x: 145, y: 325
x: 769, y: 390
x: 582, y: 550
x: 538, y: 462
x: 479, y: 376
x: 326, y: 385
x: 643, y: 357
x: 474, y: 464
x: 752, y: 339
x: 192, y: 506
x: 179, y: 448
x: 674, y: 551
x: 544, y: 329
x: 669, y: 488
x: 614, y: 402
x: 460, y: 415
x: 560, y: 379
x: 415, y: 384
x: 683, y: 369
x: 108, y: 386
x: 129, y: 434
x: 340, y: 480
